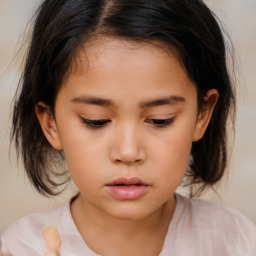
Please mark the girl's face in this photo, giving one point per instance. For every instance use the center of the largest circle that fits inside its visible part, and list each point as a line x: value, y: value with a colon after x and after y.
x: 126, y: 118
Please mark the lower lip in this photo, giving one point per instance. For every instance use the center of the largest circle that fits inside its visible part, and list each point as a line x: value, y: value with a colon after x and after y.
x: 128, y: 192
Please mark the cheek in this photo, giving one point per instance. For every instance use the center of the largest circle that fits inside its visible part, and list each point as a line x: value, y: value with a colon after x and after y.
x: 175, y: 144
x: 84, y: 170
x: 172, y: 156
x: 83, y: 156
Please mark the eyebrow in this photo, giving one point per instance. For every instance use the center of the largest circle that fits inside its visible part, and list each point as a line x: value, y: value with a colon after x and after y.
x: 170, y: 100
x: 93, y: 101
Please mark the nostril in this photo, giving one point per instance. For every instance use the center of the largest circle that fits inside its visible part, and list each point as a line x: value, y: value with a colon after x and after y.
x: 127, y: 154
x: 128, y: 161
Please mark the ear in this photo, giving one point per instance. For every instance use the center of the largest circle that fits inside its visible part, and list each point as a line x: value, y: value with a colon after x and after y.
x: 48, y: 125
x: 205, y: 114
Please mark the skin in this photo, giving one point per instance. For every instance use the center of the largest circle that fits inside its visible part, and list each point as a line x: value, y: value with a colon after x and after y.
x: 53, y: 241
x: 132, y: 77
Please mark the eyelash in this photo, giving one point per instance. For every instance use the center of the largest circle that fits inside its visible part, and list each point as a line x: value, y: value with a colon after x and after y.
x: 161, y: 123
x: 97, y: 124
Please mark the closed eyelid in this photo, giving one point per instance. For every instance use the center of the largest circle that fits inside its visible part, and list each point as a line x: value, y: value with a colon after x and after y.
x: 161, y: 122
x: 95, y: 123
x: 94, y: 116
x: 162, y: 115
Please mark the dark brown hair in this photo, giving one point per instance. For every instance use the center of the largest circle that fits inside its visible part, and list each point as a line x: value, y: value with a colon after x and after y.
x: 61, y: 29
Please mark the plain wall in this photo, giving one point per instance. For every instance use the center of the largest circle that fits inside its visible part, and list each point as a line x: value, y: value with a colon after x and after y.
x: 18, y: 198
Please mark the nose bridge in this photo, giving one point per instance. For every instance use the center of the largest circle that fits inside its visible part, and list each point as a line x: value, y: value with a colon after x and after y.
x: 128, y: 147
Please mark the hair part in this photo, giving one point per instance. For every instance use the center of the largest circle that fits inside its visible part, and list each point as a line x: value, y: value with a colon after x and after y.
x: 63, y: 27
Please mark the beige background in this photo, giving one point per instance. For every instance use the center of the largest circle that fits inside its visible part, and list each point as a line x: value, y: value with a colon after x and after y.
x: 17, y: 198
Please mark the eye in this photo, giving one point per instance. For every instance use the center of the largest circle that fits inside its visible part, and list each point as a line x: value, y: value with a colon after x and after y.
x: 161, y: 123
x: 95, y: 123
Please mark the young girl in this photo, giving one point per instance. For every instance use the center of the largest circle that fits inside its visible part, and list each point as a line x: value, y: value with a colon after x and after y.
x: 134, y: 96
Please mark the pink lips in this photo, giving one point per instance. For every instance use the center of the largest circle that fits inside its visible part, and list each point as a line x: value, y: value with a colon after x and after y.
x: 127, y: 188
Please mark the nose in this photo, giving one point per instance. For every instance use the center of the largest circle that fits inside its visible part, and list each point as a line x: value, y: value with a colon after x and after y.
x: 128, y: 147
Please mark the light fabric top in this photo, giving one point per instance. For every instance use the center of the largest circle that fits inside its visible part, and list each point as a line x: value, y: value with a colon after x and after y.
x: 198, y: 228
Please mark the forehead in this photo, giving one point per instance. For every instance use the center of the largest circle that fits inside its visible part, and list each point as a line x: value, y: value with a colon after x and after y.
x: 108, y: 65
x: 111, y: 50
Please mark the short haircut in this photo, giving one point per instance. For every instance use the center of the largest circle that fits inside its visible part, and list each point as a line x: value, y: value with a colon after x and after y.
x: 62, y: 28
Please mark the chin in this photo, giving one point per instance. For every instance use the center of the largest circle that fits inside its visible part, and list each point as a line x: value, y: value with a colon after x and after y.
x: 129, y: 213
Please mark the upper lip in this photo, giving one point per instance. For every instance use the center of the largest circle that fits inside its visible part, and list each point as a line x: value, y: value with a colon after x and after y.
x: 127, y: 181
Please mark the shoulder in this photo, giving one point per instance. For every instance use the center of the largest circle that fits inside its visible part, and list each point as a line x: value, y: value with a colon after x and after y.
x: 221, y: 225
x: 219, y: 215
x: 25, y: 236
x: 218, y: 212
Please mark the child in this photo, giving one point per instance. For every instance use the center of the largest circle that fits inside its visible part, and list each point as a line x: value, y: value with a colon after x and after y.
x: 133, y: 95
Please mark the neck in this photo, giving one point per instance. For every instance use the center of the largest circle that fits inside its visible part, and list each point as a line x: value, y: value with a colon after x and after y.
x: 96, y: 225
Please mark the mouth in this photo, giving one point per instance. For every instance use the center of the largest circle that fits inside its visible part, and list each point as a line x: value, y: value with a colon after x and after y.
x: 122, y: 182
x: 127, y: 188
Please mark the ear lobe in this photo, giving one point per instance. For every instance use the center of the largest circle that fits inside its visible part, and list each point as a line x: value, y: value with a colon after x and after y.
x: 205, y: 114
x: 48, y: 125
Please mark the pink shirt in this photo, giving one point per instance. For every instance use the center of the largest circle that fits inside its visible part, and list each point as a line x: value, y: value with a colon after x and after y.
x: 198, y: 228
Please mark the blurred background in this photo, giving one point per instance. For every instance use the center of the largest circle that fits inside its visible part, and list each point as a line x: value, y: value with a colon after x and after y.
x: 238, y: 190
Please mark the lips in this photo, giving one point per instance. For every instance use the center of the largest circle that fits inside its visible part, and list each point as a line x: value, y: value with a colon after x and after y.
x: 127, y: 182
x: 127, y: 188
